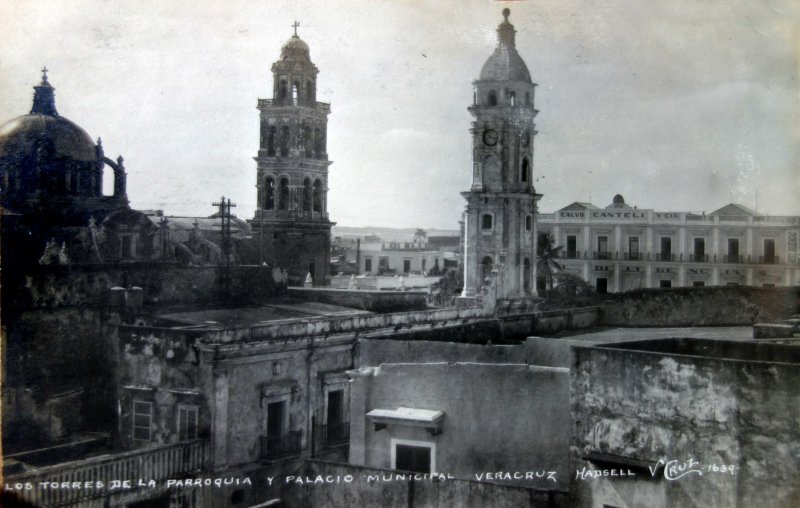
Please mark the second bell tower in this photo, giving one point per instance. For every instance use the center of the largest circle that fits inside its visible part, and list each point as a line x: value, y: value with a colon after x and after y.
x: 501, y: 203
x: 291, y: 220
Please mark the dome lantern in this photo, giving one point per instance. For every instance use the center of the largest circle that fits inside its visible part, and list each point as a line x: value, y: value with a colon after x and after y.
x: 44, y: 100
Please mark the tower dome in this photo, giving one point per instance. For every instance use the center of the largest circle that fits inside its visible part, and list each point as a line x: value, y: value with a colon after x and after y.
x: 295, y: 49
x: 505, y: 64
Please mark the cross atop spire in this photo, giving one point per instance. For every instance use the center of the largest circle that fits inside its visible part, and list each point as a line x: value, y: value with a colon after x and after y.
x: 44, y: 74
x: 295, y: 25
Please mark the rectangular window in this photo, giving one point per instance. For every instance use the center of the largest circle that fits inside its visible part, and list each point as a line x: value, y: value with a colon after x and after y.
x: 572, y: 246
x: 413, y: 458
x: 486, y: 221
x: 698, y: 283
x: 666, y: 248
x: 633, y: 247
x: 699, y: 249
x: 424, y: 264
x: 601, y: 285
x: 126, y: 249
x: 733, y: 250
x: 406, y: 265
x: 187, y: 422
x: 665, y: 283
x: 602, y: 247
x: 142, y: 420
x: 416, y: 456
x: 367, y: 264
x: 769, y: 250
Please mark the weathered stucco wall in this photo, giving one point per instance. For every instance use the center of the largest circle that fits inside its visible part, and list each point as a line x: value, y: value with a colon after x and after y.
x: 161, y: 367
x: 700, y: 306
x: 379, y: 487
x: 649, y: 405
x: 231, y: 386
x: 499, y: 417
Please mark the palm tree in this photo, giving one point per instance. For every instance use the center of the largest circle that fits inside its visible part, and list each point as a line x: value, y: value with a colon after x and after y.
x: 547, y: 253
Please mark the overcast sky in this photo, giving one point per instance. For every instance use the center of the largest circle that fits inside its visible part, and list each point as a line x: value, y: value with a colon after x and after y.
x: 677, y: 105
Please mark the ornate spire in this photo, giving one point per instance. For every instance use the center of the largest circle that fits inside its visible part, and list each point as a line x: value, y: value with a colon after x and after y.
x: 505, y: 31
x: 295, y: 25
x: 44, y: 100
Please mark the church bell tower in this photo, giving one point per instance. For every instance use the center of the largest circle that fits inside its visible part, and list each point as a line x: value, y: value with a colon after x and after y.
x: 291, y: 220
x: 501, y: 204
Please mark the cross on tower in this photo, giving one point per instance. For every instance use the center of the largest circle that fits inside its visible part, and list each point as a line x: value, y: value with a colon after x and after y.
x: 44, y: 73
x: 295, y: 25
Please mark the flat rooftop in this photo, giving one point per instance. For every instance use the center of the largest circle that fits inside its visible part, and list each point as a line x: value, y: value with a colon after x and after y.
x: 246, y: 316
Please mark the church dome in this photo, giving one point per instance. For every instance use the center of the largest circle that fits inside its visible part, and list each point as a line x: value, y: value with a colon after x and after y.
x: 43, y: 129
x: 25, y: 135
x: 505, y: 64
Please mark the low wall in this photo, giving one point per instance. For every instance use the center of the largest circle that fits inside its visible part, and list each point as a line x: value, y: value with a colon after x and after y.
x: 469, y: 325
x: 371, y: 353
x: 408, y: 493
x: 701, y: 306
x: 375, y: 301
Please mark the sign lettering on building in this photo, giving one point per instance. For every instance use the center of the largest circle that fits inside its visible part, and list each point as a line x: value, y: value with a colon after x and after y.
x: 618, y: 215
x: 662, y: 215
x: 572, y: 214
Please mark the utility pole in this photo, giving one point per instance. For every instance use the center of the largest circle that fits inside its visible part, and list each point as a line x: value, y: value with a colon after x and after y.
x: 225, y: 216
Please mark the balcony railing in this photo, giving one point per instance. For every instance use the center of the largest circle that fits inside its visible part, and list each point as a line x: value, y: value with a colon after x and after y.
x: 334, y: 434
x: 668, y: 256
x: 278, y: 447
x: 320, y: 106
x: 158, y: 464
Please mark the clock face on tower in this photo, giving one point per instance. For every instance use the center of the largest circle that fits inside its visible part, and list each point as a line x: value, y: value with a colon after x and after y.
x: 490, y: 137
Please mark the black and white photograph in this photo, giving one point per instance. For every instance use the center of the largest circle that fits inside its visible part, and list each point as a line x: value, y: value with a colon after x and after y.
x: 400, y: 253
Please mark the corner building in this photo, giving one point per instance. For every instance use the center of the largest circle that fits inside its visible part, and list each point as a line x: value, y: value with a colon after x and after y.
x: 501, y: 204
x: 291, y: 221
x: 622, y: 247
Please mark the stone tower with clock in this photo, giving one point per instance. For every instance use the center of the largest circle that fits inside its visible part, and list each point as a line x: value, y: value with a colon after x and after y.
x: 291, y: 221
x: 499, y: 225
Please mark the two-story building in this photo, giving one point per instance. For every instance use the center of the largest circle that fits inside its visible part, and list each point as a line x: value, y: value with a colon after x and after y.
x: 623, y: 247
